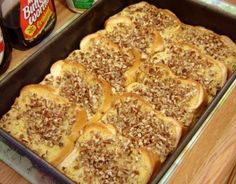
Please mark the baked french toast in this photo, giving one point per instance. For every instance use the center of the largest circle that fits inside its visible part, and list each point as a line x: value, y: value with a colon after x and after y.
x: 101, y: 156
x: 72, y: 81
x: 136, y: 120
x: 123, y: 32
x: 148, y: 16
x: 175, y: 97
x: 219, y: 47
x: 44, y: 122
x: 106, y: 60
x: 188, y: 62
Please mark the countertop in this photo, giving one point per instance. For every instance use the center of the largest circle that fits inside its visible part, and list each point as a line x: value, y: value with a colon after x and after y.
x: 212, y: 159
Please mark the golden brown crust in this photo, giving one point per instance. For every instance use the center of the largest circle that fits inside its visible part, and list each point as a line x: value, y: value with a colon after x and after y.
x: 153, y: 161
x: 200, y: 97
x: 65, y: 151
x: 112, y: 22
x: 158, y: 43
x: 130, y: 74
x: 96, y: 38
x: 81, y: 121
x: 225, y: 73
x: 100, y: 127
x: 148, y: 107
x: 41, y: 89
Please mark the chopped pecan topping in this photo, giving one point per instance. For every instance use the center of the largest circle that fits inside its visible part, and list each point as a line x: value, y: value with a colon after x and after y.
x: 190, y: 64
x: 88, y: 94
x: 109, y: 159
x: 130, y: 37
x: 46, y: 119
x: 108, y: 63
x: 144, y: 128
x: 209, y: 42
x: 167, y: 94
x: 150, y: 16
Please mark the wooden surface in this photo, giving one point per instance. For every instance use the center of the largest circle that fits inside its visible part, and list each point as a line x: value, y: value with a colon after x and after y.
x: 231, y: 1
x: 9, y: 176
x: 213, y: 156
x: 211, y: 160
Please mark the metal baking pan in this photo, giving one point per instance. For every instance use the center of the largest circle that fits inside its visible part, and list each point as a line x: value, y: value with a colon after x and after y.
x: 37, y: 66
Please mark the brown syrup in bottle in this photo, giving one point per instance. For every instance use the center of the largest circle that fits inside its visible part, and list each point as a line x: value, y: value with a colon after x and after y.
x: 20, y: 32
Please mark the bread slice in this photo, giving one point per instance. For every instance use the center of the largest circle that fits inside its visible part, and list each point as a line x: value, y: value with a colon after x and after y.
x: 177, y: 98
x: 72, y: 81
x: 219, y: 47
x: 106, y: 60
x: 188, y: 62
x: 135, y: 119
x: 101, y: 156
x: 122, y: 31
x: 44, y: 122
x: 148, y: 16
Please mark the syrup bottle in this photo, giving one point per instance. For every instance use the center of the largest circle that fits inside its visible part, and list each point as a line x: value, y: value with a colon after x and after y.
x: 28, y: 22
x: 5, y: 49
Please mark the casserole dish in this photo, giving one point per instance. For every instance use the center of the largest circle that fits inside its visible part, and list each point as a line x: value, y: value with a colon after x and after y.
x: 37, y: 65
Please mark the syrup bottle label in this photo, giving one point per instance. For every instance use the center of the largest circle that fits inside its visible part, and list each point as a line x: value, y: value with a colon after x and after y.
x: 35, y: 17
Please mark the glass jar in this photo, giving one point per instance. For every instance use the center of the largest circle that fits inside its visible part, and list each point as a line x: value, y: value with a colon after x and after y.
x: 79, y: 5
